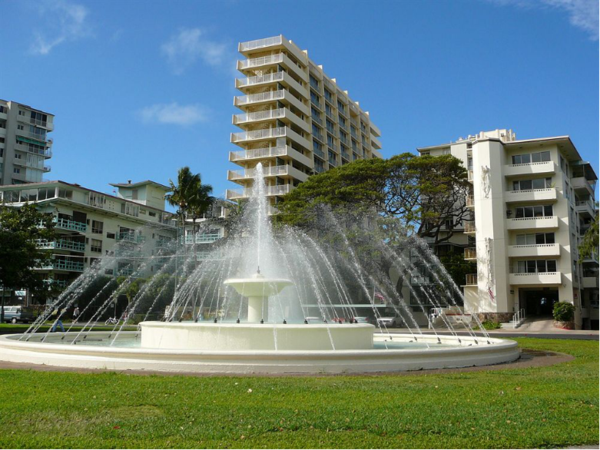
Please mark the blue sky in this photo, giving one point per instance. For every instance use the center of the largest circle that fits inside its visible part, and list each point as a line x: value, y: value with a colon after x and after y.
x: 140, y: 89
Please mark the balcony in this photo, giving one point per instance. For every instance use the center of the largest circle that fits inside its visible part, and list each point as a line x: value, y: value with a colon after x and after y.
x: 586, y: 209
x: 272, y: 171
x: 470, y: 202
x: 583, y: 185
x: 258, y: 134
x: 62, y: 244
x: 469, y: 227
x: 535, y: 168
x: 525, y: 279
x: 258, y: 116
x: 282, y: 78
x: 47, y: 169
x: 271, y: 60
x: 471, y: 279
x: 128, y: 236
x: 260, y: 43
x: 375, y: 142
x: 531, y: 195
x: 519, y: 251
x: 533, y: 223
x: 470, y: 254
x: 232, y: 194
x: 207, y: 238
x: 71, y: 225
x: 269, y: 152
x: 590, y: 282
x: 281, y: 95
x: 64, y: 265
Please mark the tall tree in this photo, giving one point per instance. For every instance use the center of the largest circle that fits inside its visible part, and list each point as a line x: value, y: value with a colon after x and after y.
x: 200, y: 204
x: 21, y: 229
x: 183, y: 193
x: 589, y: 244
x: 422, y: 195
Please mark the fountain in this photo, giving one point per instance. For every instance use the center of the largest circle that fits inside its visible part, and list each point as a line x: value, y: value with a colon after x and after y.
x: 290, y: 316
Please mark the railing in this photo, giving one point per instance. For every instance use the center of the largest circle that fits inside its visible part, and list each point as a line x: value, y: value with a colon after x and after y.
x: 66, y: 224
x: 262, y: 97
x: 345, y: 155
x: 469, y: 227
x: 130, y: 237
x: 270, y: 190
x: 518, y: 318
x: 61, y: 244
x: 203, y: 238
x: 260, y: 115
x: 249, y: 81
x: 260, y: 43
x: 470, y: 253
x: 333, y: 162
x: 267, y: 171
x: 47, y: 168
x: 40, y: 123
x: 524, y: 191
x: 258, y: 134
x: 264, y: 152
x: 471, y: 279
x: 59, y: 264
x: 319, y: 153
x: 317, y: 103
x: 531, y: 164
x: 532, y: 218
x: 317, y: 119
x: 271, y: 59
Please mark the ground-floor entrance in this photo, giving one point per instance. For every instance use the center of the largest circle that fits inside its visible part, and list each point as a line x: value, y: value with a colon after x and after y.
x: 538, y: 302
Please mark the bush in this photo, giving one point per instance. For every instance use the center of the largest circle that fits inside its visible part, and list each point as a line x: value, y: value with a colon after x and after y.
x: 564, y: 312
x: 490, y: 325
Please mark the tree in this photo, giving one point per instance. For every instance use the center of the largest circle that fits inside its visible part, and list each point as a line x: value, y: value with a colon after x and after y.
x: 20, y: 231
x: 422, y: 195
x: 200, y: 203
x: 591, y: 240
x: 184, y: 192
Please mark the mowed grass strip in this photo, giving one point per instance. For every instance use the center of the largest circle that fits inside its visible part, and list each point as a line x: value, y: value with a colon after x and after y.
x: 541, y: 407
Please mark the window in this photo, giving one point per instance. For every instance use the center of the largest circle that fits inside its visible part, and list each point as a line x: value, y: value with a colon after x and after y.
x: 534, y: 211
x: 110, y: 235
x: 16, y: 170
x: 538, y: 183
x: 315, y: 98
x: 531, y: 158
x: 20, y: 127
x: 535, y: 239
x: 536, y: 266
x: 330, y: 126
x: 340, y: 106
x: 65, y: 193
x: 328, y: 96
x: 329, y: 140
x: 97, y: 227
x: 314, y: 82
x: 328, y: 110
x: 96, y: 245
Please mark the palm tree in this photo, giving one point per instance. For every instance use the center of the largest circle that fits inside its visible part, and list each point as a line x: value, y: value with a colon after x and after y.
x: 200, y: 204
x: 182, y: 195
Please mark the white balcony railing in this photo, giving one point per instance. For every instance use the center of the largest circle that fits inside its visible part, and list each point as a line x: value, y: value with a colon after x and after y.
x: 255, y: 62
x: 265, y: 152
x: 259, y: 79
x: 531, y: 195
x: 259, y: 115
x: 262, y: 97
x: 525, y: 223
x: 260, y: 43
x: 258, y: 134
x: 232, y: 194
x: 519, y: 251
x: 553, y: 278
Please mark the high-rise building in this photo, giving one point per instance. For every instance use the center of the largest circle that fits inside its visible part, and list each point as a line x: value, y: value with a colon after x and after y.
x: 24, y: 143
x: 532, y: 201
x: 295, y: 119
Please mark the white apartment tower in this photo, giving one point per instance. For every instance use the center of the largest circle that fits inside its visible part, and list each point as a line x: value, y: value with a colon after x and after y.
x: 24, y: 143
x: 532, y: 202
x: 295, y: 119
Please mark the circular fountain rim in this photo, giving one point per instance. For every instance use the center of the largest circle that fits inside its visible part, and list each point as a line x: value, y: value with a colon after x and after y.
x: 264, y: 361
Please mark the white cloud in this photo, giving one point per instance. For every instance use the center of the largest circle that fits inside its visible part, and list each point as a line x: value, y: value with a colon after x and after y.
x: 63, y: 22
x: 174, y: 114
x: 582, y: 14
x: 189, y: 45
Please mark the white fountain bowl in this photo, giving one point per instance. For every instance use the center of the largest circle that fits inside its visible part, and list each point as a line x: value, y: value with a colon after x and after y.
x: 209, y: 336
x: 469, y: 352
x: 258, y: 286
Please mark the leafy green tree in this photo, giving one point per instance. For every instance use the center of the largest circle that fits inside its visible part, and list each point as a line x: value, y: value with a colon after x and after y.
x: 20, y: 230
x: 589, y: 244
x: 422, y: 195
x: 200, y: 204
x: 183, y: 193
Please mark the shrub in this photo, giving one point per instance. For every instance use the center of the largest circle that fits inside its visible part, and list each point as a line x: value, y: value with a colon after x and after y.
x: 564, y: 312
x: 490, y: 325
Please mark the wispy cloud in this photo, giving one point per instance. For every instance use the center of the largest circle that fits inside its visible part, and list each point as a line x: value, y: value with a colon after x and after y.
x: 63, y: 22
x: 190, y: 45
x: 582, y: 14
x: 174, y: 114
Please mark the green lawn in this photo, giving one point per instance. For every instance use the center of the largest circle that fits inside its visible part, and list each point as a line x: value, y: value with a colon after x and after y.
x: 540, y: 407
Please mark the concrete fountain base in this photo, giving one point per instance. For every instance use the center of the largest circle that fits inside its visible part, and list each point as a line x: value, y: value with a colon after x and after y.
x: 209, y: 336
x: 53, y: 352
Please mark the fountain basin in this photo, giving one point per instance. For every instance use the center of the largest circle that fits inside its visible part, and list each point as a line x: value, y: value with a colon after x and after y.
x: 403, y: 356
x: 250, y: 336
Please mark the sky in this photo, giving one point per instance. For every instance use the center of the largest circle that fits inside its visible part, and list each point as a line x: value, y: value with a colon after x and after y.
x: 140, y: 89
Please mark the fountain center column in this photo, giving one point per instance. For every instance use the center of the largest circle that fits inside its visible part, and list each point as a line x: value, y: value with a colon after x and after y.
x: 255, y: 309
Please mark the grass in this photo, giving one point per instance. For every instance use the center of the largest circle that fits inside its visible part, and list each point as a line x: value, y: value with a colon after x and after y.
x: 541, y: 407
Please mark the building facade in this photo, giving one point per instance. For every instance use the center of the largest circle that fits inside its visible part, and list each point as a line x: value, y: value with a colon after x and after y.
x: 532, y: 201
x: 295, y: 119
x: 130, y: 227
x: 24, y: 143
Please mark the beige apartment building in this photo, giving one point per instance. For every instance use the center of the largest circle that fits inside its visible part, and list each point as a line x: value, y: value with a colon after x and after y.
x: 132, y: 226
x: 24, y: 143
x: 532, y: 201
x: 294, y: 119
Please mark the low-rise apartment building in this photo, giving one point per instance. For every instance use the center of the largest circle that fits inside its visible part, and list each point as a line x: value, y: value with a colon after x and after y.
x: 90, y: 225
x: 532, y: 201
x: 295, y: 119
x: 24, y: 143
